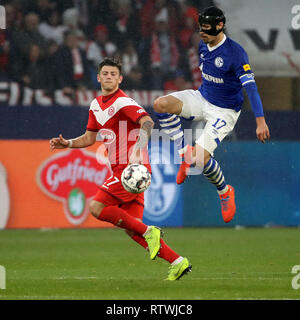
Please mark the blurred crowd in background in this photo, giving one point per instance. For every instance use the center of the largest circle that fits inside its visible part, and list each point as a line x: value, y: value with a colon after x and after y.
x: 53, y: 44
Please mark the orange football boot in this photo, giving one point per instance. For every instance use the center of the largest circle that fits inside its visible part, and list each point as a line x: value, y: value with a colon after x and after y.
x: 185, y: 165
x: 228, y: 204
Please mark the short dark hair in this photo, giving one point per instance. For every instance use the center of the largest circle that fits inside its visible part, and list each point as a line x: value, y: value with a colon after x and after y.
x: 113, y: 62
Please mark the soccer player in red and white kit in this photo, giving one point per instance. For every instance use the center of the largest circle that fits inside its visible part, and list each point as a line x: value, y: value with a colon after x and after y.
x: 118, y: 117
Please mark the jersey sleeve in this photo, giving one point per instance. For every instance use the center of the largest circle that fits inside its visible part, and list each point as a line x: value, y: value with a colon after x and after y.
x: 92, y: 122
x: 241, y: 65
x: 131, y: 109
x: 243, y: 71
x: 134, y: 113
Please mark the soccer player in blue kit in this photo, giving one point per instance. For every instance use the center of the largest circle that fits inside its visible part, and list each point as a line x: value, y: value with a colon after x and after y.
x: 225, y: 71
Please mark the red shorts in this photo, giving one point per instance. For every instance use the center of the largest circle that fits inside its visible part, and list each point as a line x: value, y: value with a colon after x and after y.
x: 112, y: 193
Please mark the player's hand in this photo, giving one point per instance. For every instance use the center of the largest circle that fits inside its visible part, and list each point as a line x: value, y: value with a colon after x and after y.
x: 58, y: 143
x: 262, y: 130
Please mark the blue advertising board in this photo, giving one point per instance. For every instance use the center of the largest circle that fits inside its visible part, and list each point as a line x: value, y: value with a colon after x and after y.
x: 266, y: 178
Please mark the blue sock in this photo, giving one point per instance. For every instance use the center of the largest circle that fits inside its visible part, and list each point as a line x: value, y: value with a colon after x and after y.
x: 213, y: 173
x: 171, y: 126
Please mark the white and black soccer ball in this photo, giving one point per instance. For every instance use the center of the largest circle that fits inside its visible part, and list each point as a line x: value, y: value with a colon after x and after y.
x: 136, y: 178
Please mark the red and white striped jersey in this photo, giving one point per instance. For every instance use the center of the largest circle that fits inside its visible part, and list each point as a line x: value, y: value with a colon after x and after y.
x: 116, y: 119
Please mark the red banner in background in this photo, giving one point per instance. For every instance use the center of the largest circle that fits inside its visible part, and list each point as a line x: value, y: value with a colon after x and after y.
x: 51, y: 190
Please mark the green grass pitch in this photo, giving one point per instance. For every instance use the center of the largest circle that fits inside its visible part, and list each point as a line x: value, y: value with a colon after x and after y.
x: 105, y: 264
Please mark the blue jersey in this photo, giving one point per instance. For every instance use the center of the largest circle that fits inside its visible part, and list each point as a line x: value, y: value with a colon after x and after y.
x: 225, y: 69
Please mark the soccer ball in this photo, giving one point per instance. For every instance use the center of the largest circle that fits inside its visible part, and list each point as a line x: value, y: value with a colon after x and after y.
x: 136, y: 178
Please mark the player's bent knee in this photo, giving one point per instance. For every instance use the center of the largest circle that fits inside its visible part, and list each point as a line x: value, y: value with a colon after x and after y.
x: 207, y: 157
x: 160, y: 105
x: 95, y: 208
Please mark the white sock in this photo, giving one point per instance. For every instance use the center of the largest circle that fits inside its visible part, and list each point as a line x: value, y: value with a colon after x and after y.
x: 223, y: 191
x: 178, y: 260
x: 147, y: 231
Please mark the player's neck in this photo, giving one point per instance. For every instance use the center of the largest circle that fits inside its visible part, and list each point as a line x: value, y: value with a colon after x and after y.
x: 217, y: 40
x: 106, y: 93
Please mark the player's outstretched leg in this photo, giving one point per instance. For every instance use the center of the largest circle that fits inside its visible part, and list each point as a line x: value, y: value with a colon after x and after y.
x: 178, y: 264
x: 167, y: 110
x: 122, y: 219
x: 165, y: 252
x: 171, y: 126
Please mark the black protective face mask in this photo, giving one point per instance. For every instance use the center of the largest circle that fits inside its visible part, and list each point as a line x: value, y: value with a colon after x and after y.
x: 213, y: 21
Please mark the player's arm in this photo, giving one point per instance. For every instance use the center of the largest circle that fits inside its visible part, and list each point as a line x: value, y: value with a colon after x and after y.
x: 246, y: 76
x: 87, y: 139
x: 146, y: 126
x: 262, y: 130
